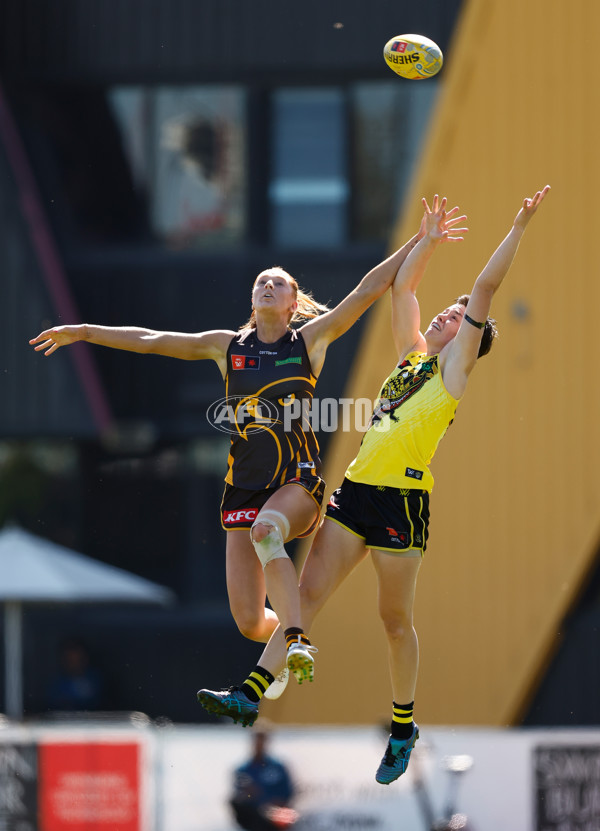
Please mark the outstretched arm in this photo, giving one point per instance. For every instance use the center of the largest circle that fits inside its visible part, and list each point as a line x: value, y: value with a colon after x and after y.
x: 462, y: 351
x: 189, y: 347
x: 439, y: 226
x: 319, y: 332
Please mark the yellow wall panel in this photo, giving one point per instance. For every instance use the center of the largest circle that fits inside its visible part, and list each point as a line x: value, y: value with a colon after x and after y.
x: 516, y: 507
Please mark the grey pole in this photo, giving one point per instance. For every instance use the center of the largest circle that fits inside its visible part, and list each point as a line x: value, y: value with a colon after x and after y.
x: 13, y: 656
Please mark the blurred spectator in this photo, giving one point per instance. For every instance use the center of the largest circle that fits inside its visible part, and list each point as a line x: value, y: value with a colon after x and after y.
x: 78, y: 685
x: 262, y: 789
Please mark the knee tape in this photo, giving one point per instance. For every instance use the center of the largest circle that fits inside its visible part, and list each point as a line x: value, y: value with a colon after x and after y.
x: 271, y: 547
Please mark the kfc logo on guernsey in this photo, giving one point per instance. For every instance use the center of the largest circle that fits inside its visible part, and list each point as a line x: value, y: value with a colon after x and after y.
x: 235, y: 517
x: 244, y: 362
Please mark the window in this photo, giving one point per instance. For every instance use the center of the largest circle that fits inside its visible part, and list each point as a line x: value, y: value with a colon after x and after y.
x: 309, y: 191
x: 342, y: 160
x: 389, y: 121
x: 185, y: 147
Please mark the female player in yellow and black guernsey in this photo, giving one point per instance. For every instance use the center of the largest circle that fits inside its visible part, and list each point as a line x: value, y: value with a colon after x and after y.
x: 273, y: 489
x: 382, y: 506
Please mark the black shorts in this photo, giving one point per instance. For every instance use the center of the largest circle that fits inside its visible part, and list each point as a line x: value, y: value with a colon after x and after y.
x: 390, y: 519
x: 240, y: 507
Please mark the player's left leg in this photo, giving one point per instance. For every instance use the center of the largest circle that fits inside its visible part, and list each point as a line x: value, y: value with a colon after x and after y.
x: 291, y: 511
x: 397, y: 579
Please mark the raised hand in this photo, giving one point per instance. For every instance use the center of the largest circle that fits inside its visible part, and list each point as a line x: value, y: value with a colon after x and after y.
x: 440, y: 224
x: 51, y: 339
x: 529, y: 207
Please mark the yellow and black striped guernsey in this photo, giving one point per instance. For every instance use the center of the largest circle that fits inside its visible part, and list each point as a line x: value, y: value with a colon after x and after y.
x: 269, y: 390
x: 412, y: 415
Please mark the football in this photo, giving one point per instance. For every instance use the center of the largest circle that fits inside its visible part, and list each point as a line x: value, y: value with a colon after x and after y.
x: 413, y: 56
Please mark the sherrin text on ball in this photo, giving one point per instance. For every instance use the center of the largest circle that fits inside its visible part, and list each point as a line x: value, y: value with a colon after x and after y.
x: 413, y: 56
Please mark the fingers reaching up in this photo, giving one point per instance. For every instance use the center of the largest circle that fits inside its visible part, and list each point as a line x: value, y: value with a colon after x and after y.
x: 442, y: 224
x: 530, y: 206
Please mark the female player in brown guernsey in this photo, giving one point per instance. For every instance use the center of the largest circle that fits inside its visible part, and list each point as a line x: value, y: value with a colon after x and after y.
x: 382, y: 506
x: 273, y: 488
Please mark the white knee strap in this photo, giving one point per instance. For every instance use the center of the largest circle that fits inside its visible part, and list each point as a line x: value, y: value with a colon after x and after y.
x: 271, y: 547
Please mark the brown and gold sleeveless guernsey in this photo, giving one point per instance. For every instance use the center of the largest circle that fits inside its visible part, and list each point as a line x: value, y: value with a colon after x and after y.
x: 269, y: 387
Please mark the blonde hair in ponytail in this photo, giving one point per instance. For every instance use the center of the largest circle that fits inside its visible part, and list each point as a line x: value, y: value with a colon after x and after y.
x: 307, y: 308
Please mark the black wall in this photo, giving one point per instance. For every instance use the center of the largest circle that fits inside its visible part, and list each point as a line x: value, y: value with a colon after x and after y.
x: 179, y: 40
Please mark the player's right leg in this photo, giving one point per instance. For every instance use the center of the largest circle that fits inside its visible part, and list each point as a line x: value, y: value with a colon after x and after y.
x: 247, y: 596
x: 246, y: 588
x: 335, y: 552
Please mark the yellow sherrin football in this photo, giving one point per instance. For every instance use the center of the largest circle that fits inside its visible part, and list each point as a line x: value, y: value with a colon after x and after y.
x: 413, y: 56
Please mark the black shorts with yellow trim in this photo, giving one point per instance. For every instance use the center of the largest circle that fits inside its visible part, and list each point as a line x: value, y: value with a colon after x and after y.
x: 390, y: 519
x: 240, y: 507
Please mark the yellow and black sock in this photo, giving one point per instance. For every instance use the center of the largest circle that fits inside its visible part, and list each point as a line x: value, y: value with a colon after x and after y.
x: 257, y: 683
x: 293, y: 633
x: 402, y: 720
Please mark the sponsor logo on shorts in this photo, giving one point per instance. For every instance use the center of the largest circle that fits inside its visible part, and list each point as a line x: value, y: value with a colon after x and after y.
x: 244, y: 362
x: 235, y: 517
x: 401, y: 538
x: 413, y: 474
